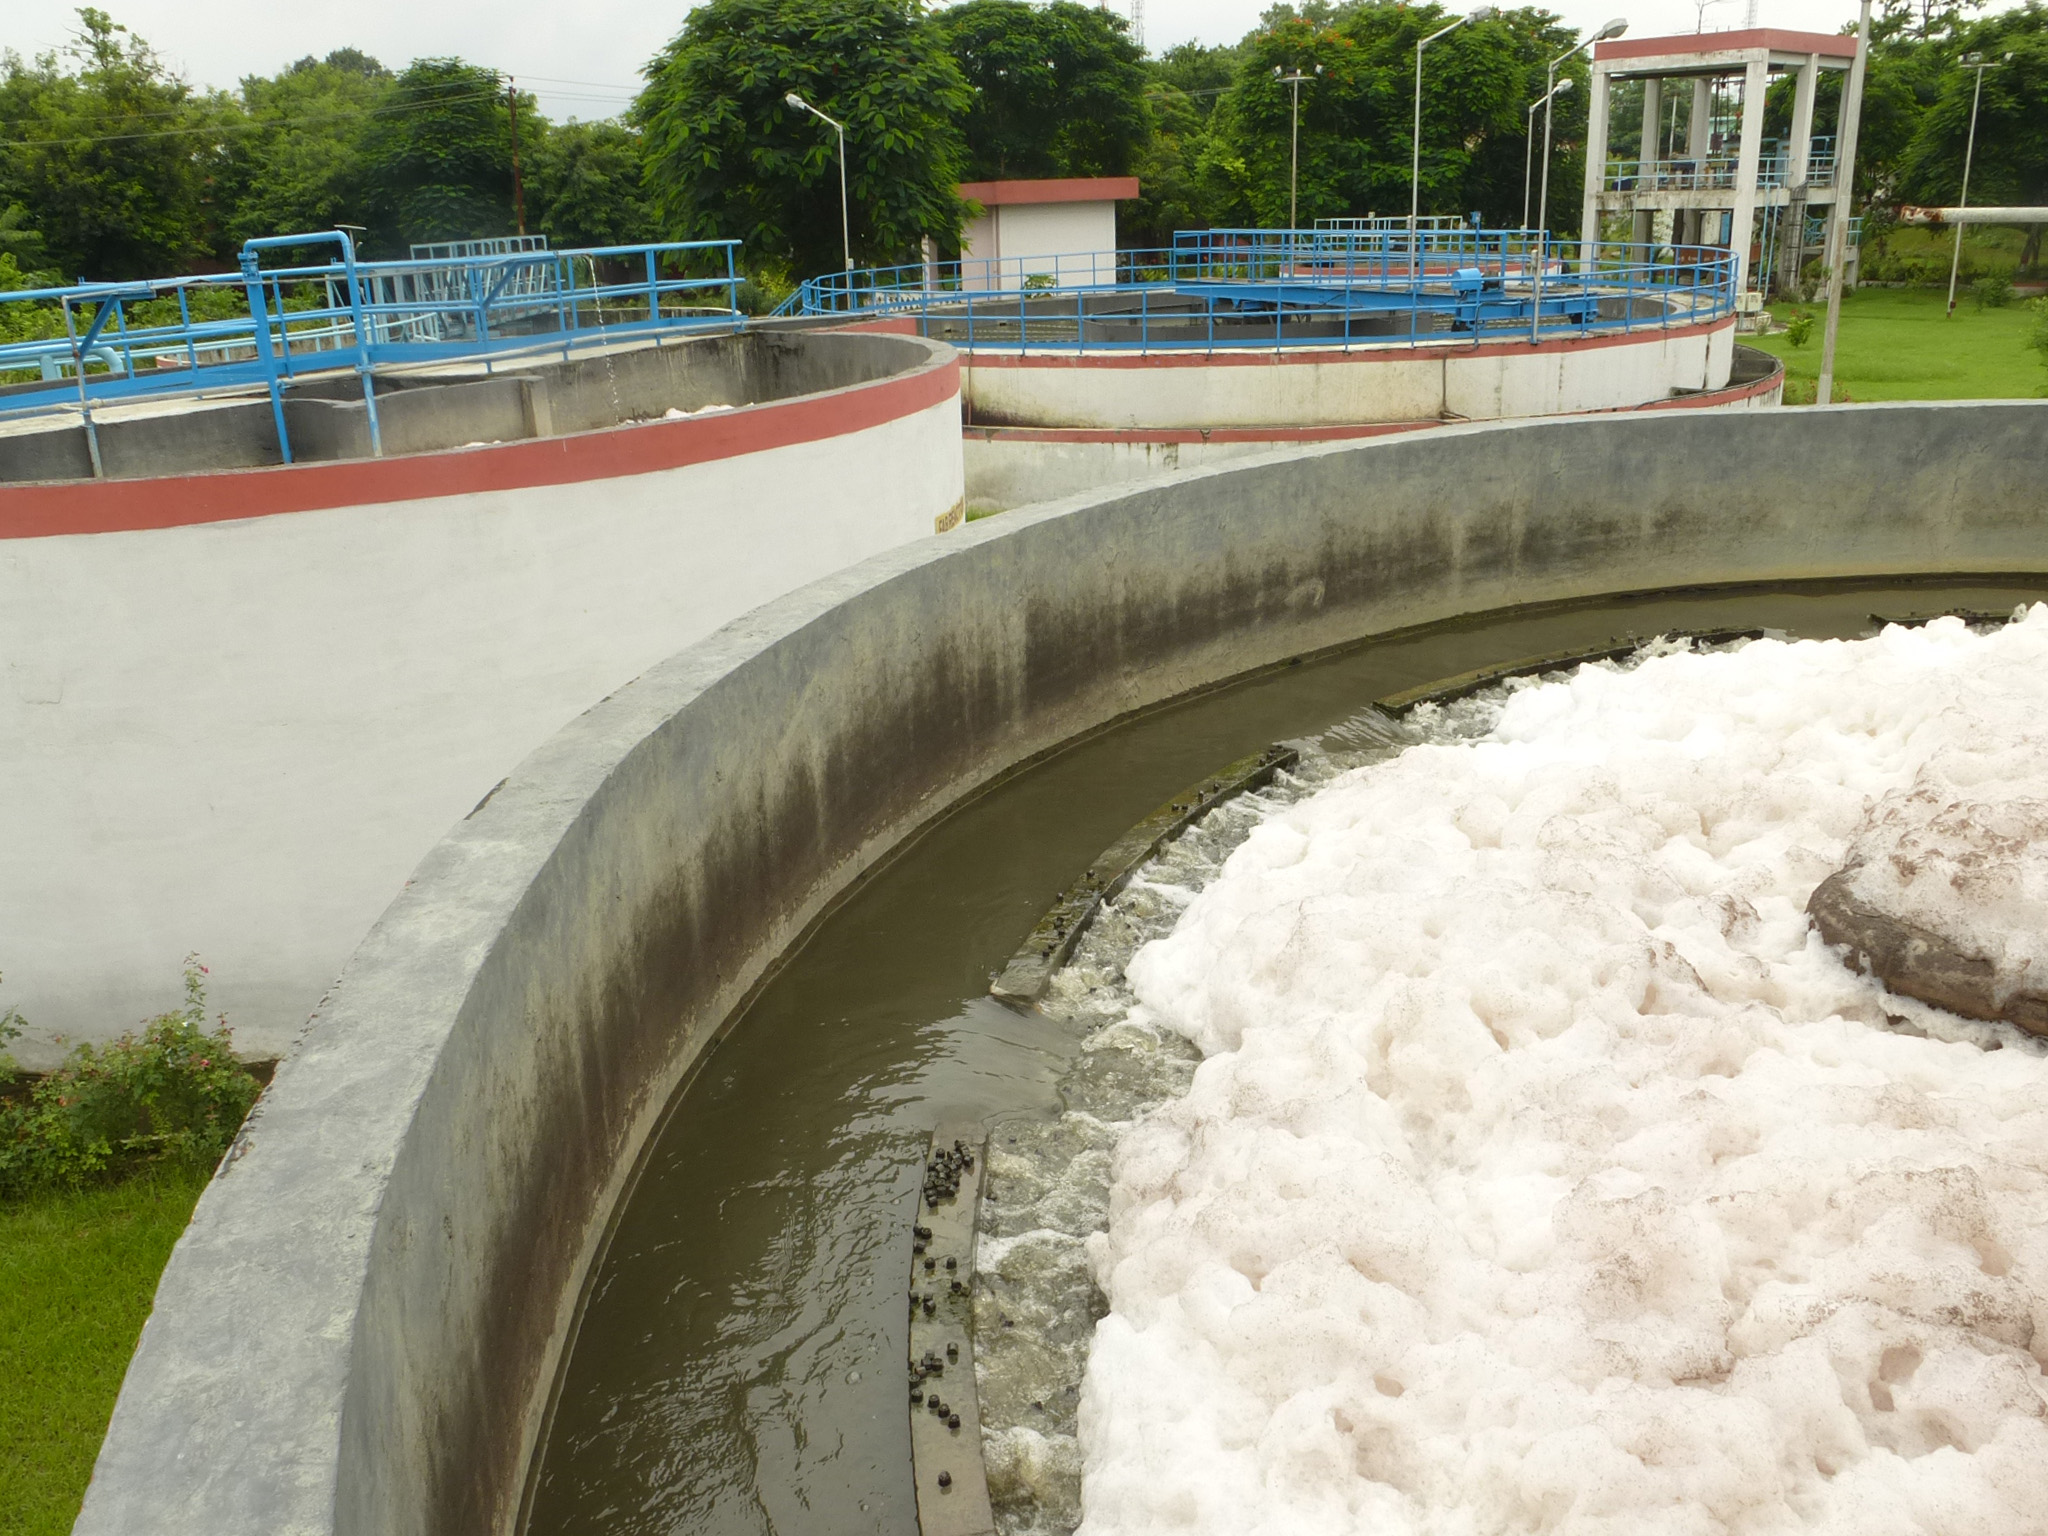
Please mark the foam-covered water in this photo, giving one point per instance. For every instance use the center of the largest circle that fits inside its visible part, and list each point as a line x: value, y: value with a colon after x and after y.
x: 1037, y: 1301
x: 1541, y: 1170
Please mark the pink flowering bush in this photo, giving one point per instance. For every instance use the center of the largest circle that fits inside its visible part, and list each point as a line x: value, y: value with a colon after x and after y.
x: 173, y: 1093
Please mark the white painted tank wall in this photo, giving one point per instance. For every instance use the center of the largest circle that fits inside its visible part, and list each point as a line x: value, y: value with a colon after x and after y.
x: 237, y: 738
x: 1003, y: 473
x: 1375, y: 383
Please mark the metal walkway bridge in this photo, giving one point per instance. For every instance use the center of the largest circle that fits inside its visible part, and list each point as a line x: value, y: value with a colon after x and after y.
x: 1227, y: 288
x: 268, y: 326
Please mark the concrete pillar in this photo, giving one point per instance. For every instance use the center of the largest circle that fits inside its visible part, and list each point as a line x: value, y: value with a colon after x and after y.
x: 1698, y: 139
x: 1800, y: 148
x: 1798, y: 156
x: 1596, y: 163
x: 1649, y: 150
x: 1755, y: 80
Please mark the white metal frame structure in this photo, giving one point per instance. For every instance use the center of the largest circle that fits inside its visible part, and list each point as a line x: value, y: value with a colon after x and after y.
x: 1714, y: 176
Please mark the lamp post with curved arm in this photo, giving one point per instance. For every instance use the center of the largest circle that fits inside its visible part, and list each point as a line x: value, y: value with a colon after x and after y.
x: 1613, y: 29
x: 1484, y: 13
x: 845, y: 219
x: 1529, y: 142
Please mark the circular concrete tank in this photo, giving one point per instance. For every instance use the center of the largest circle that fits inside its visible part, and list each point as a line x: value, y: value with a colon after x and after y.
x: 361, y: 1330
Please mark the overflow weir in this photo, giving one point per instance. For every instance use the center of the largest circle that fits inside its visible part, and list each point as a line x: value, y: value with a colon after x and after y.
x: 365, y: 1326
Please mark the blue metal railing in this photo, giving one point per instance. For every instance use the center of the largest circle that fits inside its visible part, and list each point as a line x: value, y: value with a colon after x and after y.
x: 363, y: 316
x: 1225, y: 288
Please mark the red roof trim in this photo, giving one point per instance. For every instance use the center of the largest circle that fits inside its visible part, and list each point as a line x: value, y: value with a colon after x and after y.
x: 51, y: 508
x: 1832, y: 44
x: 1073, y: 189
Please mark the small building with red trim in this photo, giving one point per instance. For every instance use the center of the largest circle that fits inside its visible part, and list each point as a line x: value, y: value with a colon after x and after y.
x: 1063, y: 229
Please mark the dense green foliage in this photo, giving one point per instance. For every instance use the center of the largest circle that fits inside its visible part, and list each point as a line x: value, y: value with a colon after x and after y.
x: 78, y: 1269
x: 1059, y: 89
x: 172, y: 1095
x: 438, y: 157
x: 108, y: 153
x: 1357, y: 126
x: 584, y: 186
x: 728, y: 156
x: 111, y: 166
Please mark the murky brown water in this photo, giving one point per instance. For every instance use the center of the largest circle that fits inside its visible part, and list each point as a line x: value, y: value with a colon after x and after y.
x: 740, y: 1364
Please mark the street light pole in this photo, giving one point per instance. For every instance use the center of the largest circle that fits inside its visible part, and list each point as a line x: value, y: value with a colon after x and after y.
x: 1613, y: 29
x: 1294, y: 158
x: 845, y: 219
x: 1415, y: 138
x: 1979, y: 63
x: 1529, y: 143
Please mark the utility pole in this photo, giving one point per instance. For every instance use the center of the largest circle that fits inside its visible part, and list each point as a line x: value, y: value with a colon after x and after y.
x: 1979, y: 63
x: 1294, y: 162
x: 1838, y: 226
x: 518, y: 187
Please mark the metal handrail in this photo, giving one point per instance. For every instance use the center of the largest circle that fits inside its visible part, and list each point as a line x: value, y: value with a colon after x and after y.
x: 298, y: 318
x: 1220, y: 289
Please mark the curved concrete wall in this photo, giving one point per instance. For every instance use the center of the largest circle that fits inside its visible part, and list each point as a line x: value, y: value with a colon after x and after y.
x: 359, y: 1331
x: 1367, y: 382
x: 1015, y: 466
x: 237, y: 708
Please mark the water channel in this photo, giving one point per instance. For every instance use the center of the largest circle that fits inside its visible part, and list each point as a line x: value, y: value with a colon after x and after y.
x: 739, y: 1367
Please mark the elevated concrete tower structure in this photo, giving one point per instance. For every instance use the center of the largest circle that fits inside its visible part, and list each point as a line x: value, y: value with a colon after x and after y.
x: 1703, y: 173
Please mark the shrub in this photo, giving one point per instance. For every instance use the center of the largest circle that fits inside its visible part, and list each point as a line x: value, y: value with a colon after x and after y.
x: 11, y: 1026
x: 173, y: 1094
x: 1992, y: 291
x: 1799, y: 329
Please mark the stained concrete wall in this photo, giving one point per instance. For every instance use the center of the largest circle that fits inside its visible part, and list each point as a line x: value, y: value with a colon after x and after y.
x: 359, y: 1331
x: 530, y: 397
x: 1380, y: 382
x: 236, y: 737
x: 1015, y: 467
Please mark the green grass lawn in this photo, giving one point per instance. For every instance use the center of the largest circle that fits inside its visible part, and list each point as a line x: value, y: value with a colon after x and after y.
x: 1897, y: 344
x: 77, y: 1272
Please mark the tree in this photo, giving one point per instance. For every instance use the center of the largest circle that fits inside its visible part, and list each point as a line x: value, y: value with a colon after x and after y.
x: 2011, y: 161
x: 298, y: 163
x: 1059, y: 89
x: 114, y: 161
x: 438, y: 158
x: 584, y: 186
x: 726, y: 156
x: 1356, y: 117
x: 1186, y: 83
x: 1183, y: 87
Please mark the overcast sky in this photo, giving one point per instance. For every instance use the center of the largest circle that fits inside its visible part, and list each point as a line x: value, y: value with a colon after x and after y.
x: 583, y: 59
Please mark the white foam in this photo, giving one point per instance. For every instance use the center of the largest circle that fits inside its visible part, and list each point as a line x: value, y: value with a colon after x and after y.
x: 1546, y: 1174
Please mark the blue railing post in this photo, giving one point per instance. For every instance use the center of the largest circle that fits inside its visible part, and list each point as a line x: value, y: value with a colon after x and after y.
x: 357, y: 322
x: 185, y: 318
x: 252, y: 282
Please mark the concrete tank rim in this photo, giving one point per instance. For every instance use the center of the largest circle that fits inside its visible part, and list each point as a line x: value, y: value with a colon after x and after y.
x: 318, y: 1154
x: 55, y: 508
